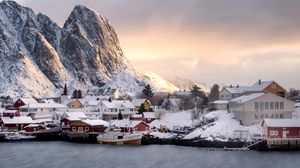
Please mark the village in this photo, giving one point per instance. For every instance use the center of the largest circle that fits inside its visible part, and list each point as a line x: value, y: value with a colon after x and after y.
x: 263, y: 112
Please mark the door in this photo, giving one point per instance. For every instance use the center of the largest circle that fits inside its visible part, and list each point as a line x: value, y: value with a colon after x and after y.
x: 80, y: 129
x: 284, y: 133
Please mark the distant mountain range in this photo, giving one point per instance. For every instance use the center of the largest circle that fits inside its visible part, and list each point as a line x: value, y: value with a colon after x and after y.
x: 38, y: 57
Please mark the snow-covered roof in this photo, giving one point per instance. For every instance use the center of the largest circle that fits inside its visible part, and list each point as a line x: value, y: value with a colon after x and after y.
x: 260, y: 86
x: 17, y: 120
x: 138, y: 102
x: 137, y: 115
x: 246, y: 98
x: 33, y: 125
x: 76, y: 115
x: 28, y: 100
x: 92, y: 102
x: 126, y: 123
x: 221, y: 102
x: 117, y: 104
x: 44, y: 105
x: 95, y: 122
x: 10, y: 111
x: 42, y: 115
x: 282, y: 122
x: 150, y: 115
x: 297, y: 105
x: 237, y: 89
x: 70, y: 101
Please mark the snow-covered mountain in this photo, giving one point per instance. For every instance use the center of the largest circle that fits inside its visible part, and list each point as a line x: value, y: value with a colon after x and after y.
x: 186, y: 84
x: 38, y: 57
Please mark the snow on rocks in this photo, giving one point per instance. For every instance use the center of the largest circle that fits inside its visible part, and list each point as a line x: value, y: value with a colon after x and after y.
x: 224, y: 127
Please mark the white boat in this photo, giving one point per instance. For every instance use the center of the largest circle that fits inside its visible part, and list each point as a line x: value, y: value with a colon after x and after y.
x: 116, y: 137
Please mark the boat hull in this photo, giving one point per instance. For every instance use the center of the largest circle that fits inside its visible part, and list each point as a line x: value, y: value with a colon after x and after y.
x: 121, y: 142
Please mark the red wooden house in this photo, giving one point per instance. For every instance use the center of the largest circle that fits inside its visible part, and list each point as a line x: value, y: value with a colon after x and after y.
x: 34, y: 127
x: 15, y: 123
x: 88, y: 126
x: 281, y: 133
x: 22, y: 101
x: 281, y: 128
x: 127, y: 125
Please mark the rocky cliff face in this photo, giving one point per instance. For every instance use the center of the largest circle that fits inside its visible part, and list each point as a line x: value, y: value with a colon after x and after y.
x: 38, y: 57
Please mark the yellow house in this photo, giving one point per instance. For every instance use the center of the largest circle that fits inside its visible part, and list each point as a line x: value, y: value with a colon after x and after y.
x: 74, y: 104
x: 138, y: 102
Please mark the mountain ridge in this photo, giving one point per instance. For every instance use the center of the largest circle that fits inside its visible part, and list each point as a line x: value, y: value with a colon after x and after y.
x: 38, y: 57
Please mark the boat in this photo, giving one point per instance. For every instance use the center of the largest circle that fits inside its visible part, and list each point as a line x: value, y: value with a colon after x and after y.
x: 114, y: 136
x: 16, y: 136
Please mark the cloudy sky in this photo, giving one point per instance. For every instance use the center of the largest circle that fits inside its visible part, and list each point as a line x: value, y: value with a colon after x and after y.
x: 213, y: 41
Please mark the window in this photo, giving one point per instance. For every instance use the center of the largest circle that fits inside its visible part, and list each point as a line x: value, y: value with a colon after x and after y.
x: 271, y: 115
x: 256, y: 105
x: 271, y: 105
x: 274, y: 133
x: 276, y: 115
x: 266, y: 105
x: 256, y: 117
x: 266, y: 115
x: 276, y: 105
x: 261, y: 106
x: 281, y: 105
x: 281, y: 116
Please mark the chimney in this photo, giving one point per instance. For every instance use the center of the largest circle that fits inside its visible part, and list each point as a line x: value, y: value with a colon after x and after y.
x: 230, y: 86
x: 237, y: 86
x: 259, y: 82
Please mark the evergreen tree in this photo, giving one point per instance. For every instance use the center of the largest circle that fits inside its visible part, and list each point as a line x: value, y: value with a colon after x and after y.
x: 148, y: 92
x: 120, y: 116
x: 199, y: 96
x: 197, y: 92
x: 74, y: 96
x: 142, y: 109
x: 65, y: 90
x: 79, y: 94
x: 214, y: 93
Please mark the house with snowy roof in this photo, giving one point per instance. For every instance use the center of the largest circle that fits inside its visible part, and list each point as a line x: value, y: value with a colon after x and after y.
x: 267, y: 87
x: 129, y: 125
x: 33, y: 108
x: 15, y: 123
x: 67, y: 117
x: 281, y: 132
x: 23, y: 101
x: 111, y: 109
x: 138, y: 102
x: 253, y: 108
x: 90, y: 126
x: 231, y: 92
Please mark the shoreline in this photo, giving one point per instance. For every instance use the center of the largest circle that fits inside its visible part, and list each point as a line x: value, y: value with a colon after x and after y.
x: 90, y: 138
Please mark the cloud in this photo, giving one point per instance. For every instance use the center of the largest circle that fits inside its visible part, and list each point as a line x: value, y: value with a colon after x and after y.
x: 210, y: 40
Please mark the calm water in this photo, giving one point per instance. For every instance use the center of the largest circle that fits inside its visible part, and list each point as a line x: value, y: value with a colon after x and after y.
x: 70, y: 155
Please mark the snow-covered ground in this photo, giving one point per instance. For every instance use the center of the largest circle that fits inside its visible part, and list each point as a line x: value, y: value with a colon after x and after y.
x: 296, y: 114
x: 224, y: 127
x: 170, y: 120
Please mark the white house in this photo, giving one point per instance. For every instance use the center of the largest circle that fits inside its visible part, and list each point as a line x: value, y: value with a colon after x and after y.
x: 111, y: 109
x: 33, y: 108
x: 253, y: 108
x: 231, y: 92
